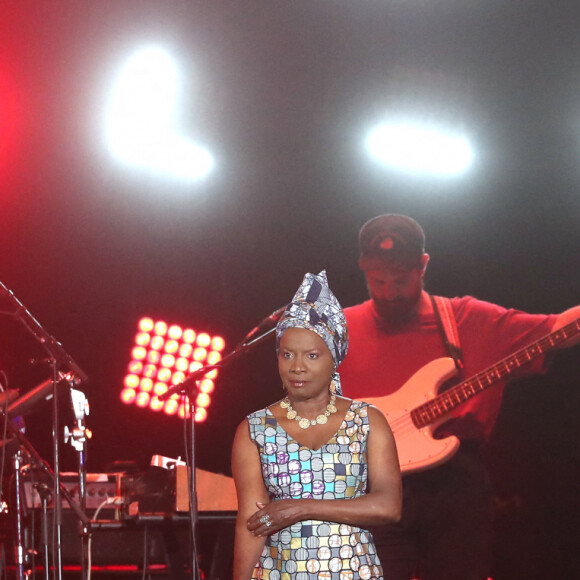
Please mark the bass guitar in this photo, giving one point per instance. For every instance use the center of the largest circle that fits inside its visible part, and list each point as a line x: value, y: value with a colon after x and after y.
x: 414, y: 413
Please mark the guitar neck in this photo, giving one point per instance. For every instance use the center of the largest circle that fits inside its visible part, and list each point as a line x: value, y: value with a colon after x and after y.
x: 441, y: 405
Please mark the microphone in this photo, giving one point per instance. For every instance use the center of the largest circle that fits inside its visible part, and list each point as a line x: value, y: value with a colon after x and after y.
x: 276, y: 315
x: 272, y: 318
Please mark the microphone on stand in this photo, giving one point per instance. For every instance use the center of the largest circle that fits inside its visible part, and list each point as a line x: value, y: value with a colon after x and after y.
x: 272, y: 318
x: 277, y: 314
x: 244, y: 345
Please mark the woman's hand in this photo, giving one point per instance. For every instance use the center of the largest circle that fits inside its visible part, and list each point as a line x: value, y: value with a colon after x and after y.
x: 273, y: 517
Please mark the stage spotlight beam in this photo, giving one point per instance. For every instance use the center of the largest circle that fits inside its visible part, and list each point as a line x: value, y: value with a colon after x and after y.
x: 142, y: 119
x: 421, y: 149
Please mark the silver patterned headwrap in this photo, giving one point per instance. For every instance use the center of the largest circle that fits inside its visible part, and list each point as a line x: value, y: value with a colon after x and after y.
x: 316, y: 308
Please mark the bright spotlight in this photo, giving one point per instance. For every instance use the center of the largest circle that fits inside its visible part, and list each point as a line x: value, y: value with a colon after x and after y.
x: 421, y: 149
x: 142, y: 119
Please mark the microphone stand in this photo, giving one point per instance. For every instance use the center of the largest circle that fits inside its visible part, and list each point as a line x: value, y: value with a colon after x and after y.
x: 58, y: 358
x: 188, y: 387
x: 190, y: 381
x: 78, y: 436
x: 35, y: 460
x: 244, y: 346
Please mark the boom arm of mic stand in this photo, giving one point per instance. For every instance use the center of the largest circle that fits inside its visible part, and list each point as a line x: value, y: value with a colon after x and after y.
x: 189, y: 384
x: 48, y: 342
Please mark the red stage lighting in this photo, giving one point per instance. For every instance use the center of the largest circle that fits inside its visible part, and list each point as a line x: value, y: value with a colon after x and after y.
x: 162, y: 357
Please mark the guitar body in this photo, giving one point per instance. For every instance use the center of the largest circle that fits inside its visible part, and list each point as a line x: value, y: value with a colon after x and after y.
x: 417, y: 448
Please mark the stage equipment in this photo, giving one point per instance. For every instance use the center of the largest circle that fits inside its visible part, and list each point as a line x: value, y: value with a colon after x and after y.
x: 99, y: 487
x: 159, y: 500
x: 138, y: 519
x: 161, y: 357
x: 189, y: 388
x: 25, y: 459
x: 42, y: 392
x: 63, y: 367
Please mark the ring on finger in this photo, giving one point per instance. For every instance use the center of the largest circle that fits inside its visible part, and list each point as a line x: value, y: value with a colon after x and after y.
x: 265, y: 518
x: 268, y: 523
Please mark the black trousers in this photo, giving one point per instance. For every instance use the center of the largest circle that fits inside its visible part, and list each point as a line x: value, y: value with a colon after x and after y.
x: 446, y: 529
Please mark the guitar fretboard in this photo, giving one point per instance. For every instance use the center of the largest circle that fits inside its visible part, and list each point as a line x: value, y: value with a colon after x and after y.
x: 441, y: 405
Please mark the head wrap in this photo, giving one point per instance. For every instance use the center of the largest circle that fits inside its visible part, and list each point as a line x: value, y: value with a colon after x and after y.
x: 316, y: 308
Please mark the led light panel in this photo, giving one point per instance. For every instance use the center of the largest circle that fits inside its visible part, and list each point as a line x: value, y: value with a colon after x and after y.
x: 163, y: 356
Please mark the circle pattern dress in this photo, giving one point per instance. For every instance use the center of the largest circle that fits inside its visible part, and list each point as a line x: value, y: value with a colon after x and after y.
x: 314, y: 549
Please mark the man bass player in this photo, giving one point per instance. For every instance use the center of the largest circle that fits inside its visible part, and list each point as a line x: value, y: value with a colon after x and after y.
x: 404, y: 343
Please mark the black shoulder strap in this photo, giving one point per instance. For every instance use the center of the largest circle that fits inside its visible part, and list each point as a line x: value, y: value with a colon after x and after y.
x: 448, y: 328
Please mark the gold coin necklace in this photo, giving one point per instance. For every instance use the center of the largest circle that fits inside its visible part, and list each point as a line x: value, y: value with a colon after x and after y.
x: 303, y: 421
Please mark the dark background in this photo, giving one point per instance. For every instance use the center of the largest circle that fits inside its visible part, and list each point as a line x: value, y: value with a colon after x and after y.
x: 283, y: 92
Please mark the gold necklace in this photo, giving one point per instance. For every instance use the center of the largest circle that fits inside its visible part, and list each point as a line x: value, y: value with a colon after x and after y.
x: 303, y: 421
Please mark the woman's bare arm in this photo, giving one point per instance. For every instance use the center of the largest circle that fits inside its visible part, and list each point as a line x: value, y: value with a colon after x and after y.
x: 250, y: 490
